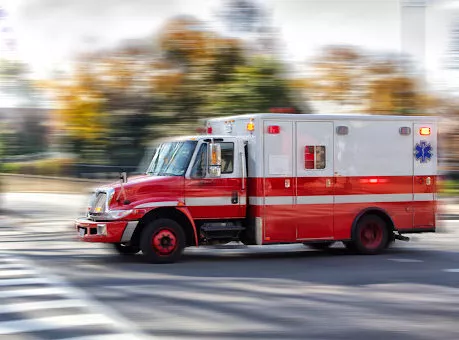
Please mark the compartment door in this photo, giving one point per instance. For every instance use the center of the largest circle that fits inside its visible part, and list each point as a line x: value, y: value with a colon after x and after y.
x: 425, y: 170
x: 279, y: 191
x: 314, y: 172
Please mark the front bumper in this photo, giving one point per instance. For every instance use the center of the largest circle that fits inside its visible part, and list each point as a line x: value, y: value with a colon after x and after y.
x: 106, y: 232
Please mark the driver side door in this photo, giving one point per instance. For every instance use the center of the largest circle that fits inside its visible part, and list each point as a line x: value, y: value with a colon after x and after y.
x: 221, y: 197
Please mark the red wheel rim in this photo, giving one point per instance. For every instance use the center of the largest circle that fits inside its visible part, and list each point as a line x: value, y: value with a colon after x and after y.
x: 371, y: 235
x: 164, y: 241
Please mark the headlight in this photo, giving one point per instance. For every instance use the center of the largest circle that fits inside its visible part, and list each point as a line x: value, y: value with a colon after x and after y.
x: 115, y: 214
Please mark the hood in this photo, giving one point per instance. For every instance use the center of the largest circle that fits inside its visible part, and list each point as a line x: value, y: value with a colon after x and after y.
x: 146, y: 188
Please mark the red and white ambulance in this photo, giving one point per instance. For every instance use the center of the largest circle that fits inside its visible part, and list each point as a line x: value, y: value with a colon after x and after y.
x: 263, y: 179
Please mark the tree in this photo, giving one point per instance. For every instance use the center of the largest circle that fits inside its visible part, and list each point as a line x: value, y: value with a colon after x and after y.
x: 254, y: 88
x: 117, y: 101
x: 242, y: 16
x: 359, y: 81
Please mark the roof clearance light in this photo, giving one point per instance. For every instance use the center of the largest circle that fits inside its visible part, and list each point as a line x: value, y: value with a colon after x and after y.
x: 424, y: 131
x: 274, y: 129
x: 342, y: 130
x: 250, y: 125
x: 405, y: 131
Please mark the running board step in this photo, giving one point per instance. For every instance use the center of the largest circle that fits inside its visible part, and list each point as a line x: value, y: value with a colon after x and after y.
x: 210, y: 227
x: 401, y: 237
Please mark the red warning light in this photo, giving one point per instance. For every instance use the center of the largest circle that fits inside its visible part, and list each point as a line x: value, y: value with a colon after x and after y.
x: 424, y: 131
x: 282, y: 110
x: 274, y: 129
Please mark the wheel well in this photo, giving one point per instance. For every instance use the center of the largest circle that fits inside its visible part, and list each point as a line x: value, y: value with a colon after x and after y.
x: 170, y: 213
x: 378, y: 212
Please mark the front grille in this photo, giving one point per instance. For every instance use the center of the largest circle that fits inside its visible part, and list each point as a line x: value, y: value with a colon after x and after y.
x: 98, y: 206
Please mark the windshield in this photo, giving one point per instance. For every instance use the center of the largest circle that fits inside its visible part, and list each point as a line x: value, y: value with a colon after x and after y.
x: 171, y: 159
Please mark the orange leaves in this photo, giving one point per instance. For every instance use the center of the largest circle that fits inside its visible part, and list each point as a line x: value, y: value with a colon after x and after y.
x: 366, y: 82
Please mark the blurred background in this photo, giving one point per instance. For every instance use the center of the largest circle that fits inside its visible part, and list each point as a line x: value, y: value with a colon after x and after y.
x: 87, y: 88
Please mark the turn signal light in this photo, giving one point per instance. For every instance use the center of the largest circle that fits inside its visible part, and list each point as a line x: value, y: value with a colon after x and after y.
x: 251, y: 125
x: 424, y: 131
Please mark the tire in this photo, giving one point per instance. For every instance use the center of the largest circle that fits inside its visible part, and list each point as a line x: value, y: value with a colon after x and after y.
x: 162, y: 241
x: 126, y: 249
x: 371, y: 235
x: 319, y: 245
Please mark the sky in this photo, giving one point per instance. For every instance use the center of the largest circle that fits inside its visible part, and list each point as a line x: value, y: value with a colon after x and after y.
x: 51, y: 32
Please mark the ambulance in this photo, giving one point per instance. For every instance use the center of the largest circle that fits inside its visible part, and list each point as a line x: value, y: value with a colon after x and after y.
x: 264, y: 179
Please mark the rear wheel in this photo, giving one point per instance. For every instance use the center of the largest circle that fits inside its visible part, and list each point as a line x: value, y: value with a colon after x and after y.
x: 162, y: 241
x: 124, y: 249
x: 319, y: 245
x: 371, y: 235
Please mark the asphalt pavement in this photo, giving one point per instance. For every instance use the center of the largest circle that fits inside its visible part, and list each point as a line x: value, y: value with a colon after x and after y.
x: 54, y: 287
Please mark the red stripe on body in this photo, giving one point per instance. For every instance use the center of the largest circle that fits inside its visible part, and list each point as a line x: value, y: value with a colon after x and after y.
x: 313, y: 186
x: 355, y: 185
x: 287, y: 224
x: 373, y: 185
x: 212, y: 187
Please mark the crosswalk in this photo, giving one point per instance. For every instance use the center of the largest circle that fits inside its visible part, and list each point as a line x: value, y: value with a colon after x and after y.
x: 33, y: 238
x: 35, y: 304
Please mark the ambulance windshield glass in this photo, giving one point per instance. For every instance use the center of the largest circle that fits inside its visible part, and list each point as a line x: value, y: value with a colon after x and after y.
x: 172, y: 159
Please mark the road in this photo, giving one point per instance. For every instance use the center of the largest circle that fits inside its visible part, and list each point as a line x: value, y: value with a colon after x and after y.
x: 53, y: 287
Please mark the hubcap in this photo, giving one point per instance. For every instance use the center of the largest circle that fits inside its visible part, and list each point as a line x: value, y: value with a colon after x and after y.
x: 164, y: 241
x: 371, y: 235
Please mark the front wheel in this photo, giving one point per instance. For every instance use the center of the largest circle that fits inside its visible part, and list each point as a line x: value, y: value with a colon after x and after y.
x: 371, y: 235
x: 162, y: 241
x: 126, y: 249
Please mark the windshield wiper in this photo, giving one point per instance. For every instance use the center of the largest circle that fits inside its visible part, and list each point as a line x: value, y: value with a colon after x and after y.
x: 168, y: 174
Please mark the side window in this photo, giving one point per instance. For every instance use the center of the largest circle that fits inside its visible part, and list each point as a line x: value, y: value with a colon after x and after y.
x: 199, y: 167
x: 314, y: 157
x: 227, y: 158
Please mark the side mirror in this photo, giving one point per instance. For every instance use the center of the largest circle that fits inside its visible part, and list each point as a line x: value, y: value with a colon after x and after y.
x: 123, y: 177
x: 215, y: 160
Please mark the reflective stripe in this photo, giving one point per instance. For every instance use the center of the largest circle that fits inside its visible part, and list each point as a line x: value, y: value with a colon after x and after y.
x: 289, y: 200
x: 212, y: 201
x: 157, y: 204
x: 129, y: 231
x: 424, y: 197
x: 374, y: 198
x: 326, y: 199
x: 279, y: 200
x: 256, y: 200
x: 258, y: 231
x: 329, y: 199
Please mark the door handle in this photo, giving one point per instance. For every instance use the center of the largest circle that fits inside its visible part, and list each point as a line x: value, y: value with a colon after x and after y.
x: 234, y: 197
x: 287, y: 183
x: 328, y: 182
x: 428, y: 181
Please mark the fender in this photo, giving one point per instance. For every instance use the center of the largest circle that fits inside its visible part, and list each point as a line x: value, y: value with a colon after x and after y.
x: 151, y: 206
x: 366, y: 210
x: 185, y: 210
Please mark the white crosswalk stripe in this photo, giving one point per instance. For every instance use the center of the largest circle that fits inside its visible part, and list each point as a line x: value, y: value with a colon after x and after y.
x: 34, y: 304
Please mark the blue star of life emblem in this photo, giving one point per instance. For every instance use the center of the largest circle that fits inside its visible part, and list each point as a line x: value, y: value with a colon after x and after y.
x: 423, y: 151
